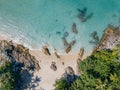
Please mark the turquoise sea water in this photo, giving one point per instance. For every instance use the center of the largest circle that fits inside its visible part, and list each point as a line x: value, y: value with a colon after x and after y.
x: 35, y: 23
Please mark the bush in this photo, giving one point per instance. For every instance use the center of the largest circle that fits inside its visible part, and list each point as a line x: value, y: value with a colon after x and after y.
x: 7, y: 79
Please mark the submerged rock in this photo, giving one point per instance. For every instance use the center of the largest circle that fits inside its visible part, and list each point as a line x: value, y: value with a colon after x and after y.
x: 82, y: 15
x: 74, y: 29
x: 95, y: 38
x: 73, y: 42
x: 66, y: 34
x: 65, y: 42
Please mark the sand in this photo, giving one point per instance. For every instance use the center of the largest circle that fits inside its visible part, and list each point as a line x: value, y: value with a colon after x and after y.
x: 46, y: 74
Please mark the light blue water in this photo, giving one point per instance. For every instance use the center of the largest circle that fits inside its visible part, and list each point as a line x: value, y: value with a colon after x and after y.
x: 35, y: 23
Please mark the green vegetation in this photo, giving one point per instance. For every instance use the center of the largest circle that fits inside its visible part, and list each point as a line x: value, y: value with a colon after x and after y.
x: 7, y: 78
x: 100, y: 71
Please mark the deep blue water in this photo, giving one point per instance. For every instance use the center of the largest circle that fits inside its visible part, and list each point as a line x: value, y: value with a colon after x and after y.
x: 35, y: 23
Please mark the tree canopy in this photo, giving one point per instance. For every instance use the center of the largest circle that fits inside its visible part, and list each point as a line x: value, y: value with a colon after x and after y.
x: 100, y: 71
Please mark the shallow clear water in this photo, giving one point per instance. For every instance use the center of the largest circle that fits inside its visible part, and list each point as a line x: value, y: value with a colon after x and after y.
x: 35, y: 23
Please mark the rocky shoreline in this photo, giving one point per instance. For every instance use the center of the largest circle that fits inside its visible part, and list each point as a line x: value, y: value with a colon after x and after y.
x: 56, y: 64
x: 22, y: 62
x: 110, y: 38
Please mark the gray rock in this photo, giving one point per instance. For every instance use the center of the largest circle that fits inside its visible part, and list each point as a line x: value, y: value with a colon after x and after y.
x: 53, y: 66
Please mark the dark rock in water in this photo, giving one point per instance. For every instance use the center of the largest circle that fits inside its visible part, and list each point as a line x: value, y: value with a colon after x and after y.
x: 67, y: 45
x: 83, y: 12
x: 82, y: 15
x: 65, y: 42
x: 73, y: 43
x: 95, y: 38
x: 90, y: 15
x: 74, y: 29
x: 46, y: 51
x: 53, y: 66
x: 68, y: 49
x: 66, y: 34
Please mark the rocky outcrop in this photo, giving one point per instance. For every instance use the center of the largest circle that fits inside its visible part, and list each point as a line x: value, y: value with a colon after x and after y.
x: 23, y: 63
x: 110, y: 38
x: 19, y: 53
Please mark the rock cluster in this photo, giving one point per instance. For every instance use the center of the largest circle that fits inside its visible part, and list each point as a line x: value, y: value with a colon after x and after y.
x: 68, y: 46
x: 110, y: 38
x: 18, y: 53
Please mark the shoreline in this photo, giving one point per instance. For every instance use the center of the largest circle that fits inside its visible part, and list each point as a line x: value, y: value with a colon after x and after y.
x: 3, y: 36
x: 46, y: 74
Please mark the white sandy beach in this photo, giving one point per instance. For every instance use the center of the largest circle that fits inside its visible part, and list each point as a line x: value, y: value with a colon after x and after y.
x: 46, y: 74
